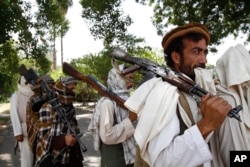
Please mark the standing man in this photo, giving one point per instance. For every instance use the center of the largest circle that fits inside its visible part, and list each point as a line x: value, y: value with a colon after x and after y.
x: 18, y: 103
x: 173, y: 128
x: 113, y: 126
x: 56, y: 145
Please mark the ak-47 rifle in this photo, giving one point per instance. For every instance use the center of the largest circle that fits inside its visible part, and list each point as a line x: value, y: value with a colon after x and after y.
x: 32, y: 78
x: 178, y: 79
x: 103, y: 90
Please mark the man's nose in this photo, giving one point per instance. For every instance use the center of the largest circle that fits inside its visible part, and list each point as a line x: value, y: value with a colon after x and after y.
x: 203, y: 58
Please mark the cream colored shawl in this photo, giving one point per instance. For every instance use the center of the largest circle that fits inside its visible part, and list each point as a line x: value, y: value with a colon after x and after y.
x: 155, y: 102
x: 233, y: 72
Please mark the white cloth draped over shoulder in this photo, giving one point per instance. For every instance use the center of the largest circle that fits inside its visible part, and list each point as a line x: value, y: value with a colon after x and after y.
x: 157, y: 111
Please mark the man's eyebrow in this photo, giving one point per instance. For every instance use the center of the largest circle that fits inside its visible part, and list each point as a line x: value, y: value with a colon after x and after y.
x: 200, y: 49
x: 195, y: 48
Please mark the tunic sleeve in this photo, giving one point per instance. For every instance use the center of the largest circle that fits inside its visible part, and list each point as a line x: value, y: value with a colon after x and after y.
x: 170, y: 149
x: 17, y: 128
x: 110, y: 133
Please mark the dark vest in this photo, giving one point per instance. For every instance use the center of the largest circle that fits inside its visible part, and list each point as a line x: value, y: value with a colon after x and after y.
x: 113, y: 155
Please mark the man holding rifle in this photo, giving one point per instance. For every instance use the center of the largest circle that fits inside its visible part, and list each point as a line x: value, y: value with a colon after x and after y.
x: 113, y: 126
x: 56, y: 144
x: 174, y: 128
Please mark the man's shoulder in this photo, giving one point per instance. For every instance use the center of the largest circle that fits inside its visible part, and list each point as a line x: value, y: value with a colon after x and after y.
x: 106, y: 100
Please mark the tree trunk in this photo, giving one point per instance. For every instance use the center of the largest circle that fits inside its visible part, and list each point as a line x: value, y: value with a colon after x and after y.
x: 61, y: 49
x: 54, y: 50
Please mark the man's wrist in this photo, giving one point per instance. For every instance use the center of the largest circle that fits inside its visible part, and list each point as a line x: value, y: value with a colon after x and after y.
x: 204, y: 128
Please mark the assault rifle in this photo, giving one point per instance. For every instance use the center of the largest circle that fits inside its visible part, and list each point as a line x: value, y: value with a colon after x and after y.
x: 32, y: 78
x: 103, y: 90
x: 178, y: 79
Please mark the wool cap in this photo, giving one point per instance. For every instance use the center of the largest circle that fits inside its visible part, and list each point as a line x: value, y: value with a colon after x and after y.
x: 183, y: 30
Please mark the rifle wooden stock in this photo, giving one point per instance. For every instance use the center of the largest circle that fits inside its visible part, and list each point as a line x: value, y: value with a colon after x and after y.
x: 103, y: 90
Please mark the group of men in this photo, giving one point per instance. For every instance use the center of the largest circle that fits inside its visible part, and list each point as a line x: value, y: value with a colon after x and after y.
x: 164, y: 126
x: 51, y: 138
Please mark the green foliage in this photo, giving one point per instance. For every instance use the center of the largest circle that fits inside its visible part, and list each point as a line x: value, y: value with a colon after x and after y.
x: 12, y: 19
x: 30, y: 27
x: 56, y: 74
x: 107, y: 22
x: 97, y: 65
x: 222, y: 17
x: 8, y: 69
x: 41, y: 65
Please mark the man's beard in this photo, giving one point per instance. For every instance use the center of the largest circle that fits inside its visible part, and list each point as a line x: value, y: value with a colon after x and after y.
x: 189, y: 71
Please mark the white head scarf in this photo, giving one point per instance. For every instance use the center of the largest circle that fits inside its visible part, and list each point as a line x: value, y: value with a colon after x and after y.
x: 233, y: 67
x: 116, y: 83
x: 233, y: 72
x: 24, y: 88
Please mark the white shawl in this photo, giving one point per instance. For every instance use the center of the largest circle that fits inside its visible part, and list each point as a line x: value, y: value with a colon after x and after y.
x: 149, y: 95
x: 233, y: 73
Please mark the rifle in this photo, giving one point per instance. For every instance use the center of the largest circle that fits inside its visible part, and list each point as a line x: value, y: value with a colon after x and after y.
x: 32, y: 77
x: 15, y: 147
x: 178, y: 79
x: 103, y: 90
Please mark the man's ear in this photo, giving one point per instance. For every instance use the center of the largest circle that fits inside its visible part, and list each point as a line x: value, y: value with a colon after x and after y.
x: 176, y: 57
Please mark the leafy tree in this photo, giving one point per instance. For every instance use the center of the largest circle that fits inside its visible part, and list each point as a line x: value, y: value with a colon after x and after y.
x: 96, y: 65
x: 107, y: 21
x: 16, y: 24
x: 222, y: 17
x: 26, y: 34
x: 8, y: 69
x: 57, y: 73
x: 64, y: 4
x: 51, y: 18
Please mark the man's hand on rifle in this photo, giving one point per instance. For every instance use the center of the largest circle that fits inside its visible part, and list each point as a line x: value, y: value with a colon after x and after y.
x: 214, y: 110
x: 70, y: 140
x: 132, y: 116
x: 19, y: 138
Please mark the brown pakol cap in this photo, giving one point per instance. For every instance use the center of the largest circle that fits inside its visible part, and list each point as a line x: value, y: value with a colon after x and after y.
x: 183, y: 30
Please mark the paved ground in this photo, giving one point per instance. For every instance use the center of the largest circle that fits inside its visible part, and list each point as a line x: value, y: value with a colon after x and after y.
x: 7, y: 141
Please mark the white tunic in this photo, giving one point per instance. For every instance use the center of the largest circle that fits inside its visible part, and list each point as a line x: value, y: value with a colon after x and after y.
x: 110, y: 133
x: 18, y: 105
